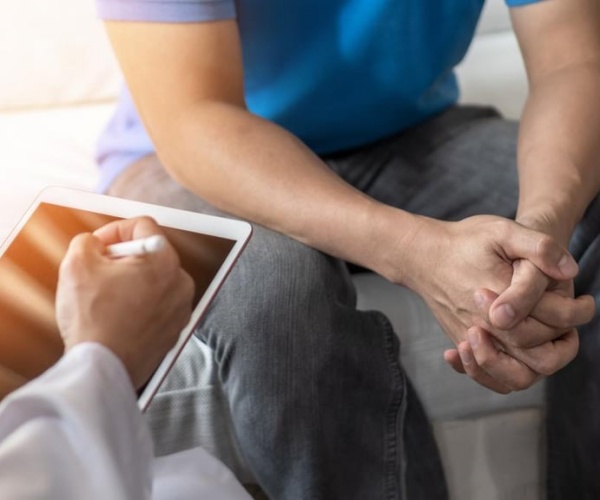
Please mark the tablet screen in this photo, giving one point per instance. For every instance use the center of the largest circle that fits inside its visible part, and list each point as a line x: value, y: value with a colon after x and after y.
x: 29, y: 338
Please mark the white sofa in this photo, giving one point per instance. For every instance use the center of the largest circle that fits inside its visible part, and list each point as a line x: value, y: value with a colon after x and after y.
x: 57, y: 89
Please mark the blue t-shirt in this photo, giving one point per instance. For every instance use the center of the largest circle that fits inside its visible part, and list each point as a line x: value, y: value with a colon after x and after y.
x: 336, y: 73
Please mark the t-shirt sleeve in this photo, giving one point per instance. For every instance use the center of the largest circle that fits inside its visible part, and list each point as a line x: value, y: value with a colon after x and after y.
x: 166, y: 11
x: 519, y: 3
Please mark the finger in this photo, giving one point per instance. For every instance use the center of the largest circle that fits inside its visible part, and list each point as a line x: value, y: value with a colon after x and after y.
x: 137, y: 228
x: 85, y: 245
x: 527, y: 334
x: 550, y: 357
x: 542, y: 250
x: 128, y: 229
x: 476, y: 373
x: 452, y: 357
x: 502, y: 367
x: 552, y: 317
x: 527, y: 286
x: 559, y: 311
x: 83, y: 250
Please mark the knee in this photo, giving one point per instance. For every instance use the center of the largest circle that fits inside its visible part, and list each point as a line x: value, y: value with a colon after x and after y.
x: 280, y: 276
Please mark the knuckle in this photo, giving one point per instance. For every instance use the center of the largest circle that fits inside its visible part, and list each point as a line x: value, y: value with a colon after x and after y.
x: 575, y: 344
x: 146, y: 220
x: 521, y: 337
x: 572, y: 347
x: 516, y: 339
x: 502, y: 228
x: 66, y: 267
x: 74, y: 261
x: 503, y: 390
x: 147, y: 225
x: 545, y: 247
x: 590, y: 309
x: 485, y: 361
x: 522, y: 382
x: 547, y: 366
x: 566, y: 317
x: 78, y: 244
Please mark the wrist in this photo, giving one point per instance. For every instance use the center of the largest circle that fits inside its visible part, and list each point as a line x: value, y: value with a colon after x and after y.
x: 553, y: 194
x: 551, y: 220
x: 405, y: 238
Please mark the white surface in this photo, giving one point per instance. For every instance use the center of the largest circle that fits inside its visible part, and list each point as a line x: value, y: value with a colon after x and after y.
x: 46, y: 148
x: 493, y: 74
x: 496, y: 457
x: 495, y: 17
x: 53, y: 53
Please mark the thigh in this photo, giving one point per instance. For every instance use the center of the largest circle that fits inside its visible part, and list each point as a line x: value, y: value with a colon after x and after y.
x: 458, y: 164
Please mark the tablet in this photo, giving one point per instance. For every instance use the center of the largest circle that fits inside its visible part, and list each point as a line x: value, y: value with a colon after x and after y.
x: 29, y: 261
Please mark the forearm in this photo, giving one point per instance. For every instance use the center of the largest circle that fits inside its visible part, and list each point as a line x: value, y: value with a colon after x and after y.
x: 252, y: 168
x: 559, y: 149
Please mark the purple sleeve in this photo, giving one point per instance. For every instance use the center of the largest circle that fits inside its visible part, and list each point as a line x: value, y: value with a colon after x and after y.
x: 166, y: 11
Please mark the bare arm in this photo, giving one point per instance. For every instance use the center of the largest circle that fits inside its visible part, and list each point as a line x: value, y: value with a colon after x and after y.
x: 559, y: 144
x: 559, y: 150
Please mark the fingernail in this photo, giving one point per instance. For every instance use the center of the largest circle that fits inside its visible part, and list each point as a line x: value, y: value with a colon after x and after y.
x: 504, y: 315
x: 465, y: 356
x: 473, y: 339
x: 568, y: 266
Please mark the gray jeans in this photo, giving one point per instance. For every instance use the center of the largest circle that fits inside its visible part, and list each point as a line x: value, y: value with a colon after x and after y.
x: 321, y: 407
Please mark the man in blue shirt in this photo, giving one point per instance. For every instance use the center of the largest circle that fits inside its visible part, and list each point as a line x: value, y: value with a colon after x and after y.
x: 333, y: 126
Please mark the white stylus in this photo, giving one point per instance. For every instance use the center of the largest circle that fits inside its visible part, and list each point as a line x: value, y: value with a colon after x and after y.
x: 137, y: 247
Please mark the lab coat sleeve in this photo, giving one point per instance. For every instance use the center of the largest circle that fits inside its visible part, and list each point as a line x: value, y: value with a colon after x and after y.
x: 76, y: 432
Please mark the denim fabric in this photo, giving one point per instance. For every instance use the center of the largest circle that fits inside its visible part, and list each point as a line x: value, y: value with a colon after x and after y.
x: 573, y: 394
x: 320, y: 404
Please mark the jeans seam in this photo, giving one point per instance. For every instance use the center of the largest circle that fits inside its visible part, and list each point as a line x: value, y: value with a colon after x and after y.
x: 394, y: 461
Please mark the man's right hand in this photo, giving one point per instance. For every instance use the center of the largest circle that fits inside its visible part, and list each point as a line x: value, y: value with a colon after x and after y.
x: 135, y: 306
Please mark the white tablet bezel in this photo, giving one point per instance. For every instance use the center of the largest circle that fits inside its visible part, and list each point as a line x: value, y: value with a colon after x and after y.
x: 238, y: 231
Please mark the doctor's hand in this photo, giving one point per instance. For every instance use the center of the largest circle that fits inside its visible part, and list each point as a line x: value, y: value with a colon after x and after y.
x: 135, y: 306
x: 461, y: 267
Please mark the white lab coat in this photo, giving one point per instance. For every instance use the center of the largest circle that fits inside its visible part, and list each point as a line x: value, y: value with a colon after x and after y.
x: 76, y: 433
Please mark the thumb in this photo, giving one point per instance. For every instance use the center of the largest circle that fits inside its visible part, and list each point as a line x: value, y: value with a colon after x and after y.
x: 514, y: 304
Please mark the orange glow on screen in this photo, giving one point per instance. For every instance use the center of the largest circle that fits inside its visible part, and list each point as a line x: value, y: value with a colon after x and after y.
x: 29, y: 338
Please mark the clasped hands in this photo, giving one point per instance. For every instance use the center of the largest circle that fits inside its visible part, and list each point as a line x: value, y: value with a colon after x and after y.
x: 504, y: 295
